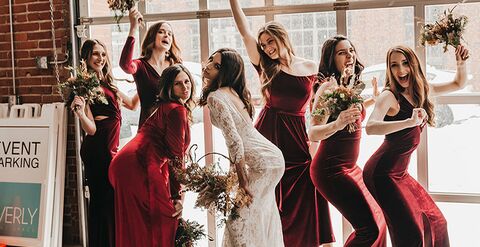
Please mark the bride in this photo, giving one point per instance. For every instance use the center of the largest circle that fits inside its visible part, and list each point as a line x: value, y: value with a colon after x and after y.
x: 258, y: 162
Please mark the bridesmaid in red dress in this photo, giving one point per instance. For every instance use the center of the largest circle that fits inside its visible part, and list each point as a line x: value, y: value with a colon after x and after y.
x: 159, y: 50
x: 101, y: 122
x: 400, y: 113
x: 334, y: 170
x: 148, y: 202
x: 287, y: 82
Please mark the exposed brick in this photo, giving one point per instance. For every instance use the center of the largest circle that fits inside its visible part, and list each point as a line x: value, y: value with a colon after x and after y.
x: 26, y: 27
x: 34, y: 7
x: 43, y: 52
x: 26, y: 45
x: 20, y: 37
x: 49, y: 43
x: 40, y: 35
x: 31, y: 99
x: 26, y: 62
x: 25, y: 1
x: 5, y: 28
x: 20, y: 54
x: 30, y: 81
x: 19, y: 8
x: 48, y: 25
x: 20, y: 18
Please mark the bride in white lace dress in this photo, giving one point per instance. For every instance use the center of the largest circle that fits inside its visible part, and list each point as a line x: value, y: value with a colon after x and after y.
x: 258, y: 162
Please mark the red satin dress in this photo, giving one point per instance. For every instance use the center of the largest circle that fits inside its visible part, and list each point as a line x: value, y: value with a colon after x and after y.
x: 144, y: 183
x: 412, y: 217
x: 146, y: 78
x: 303, y: 210
x: 336, y: 175
x: 97, y: 152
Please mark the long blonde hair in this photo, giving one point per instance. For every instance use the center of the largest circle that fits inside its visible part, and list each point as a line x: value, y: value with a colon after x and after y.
x: 419, y: 84
x: 271, y: 67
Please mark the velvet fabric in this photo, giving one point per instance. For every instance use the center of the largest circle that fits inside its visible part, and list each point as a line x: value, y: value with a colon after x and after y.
x: 97, y: 152
x: 336, y: 175
x: 412, y: 216
x: 303, y: 210
x: 146, y: 79
x: 143, y: 180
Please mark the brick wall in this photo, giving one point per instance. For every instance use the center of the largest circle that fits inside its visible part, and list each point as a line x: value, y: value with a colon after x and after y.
x: 32, y: 37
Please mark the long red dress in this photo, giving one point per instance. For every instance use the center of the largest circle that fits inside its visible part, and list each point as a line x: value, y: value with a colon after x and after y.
x: 412, y: 217
x: 97, y: 152
x: 146, y: 79
x: 143, y: 182
x: 303, y: 210
x: 336, y: 175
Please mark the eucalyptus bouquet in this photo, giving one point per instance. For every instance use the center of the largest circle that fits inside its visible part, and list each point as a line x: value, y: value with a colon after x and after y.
x: 217, y: 189
x: 188, y: 232
x: 334, y: 101
x: 85, y: 84
x: 120, y: 7
x: 448, y: 30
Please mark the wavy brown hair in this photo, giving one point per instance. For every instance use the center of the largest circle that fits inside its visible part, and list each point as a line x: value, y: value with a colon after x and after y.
x: 148, y: 44
x: 167, y: 80
x: 232, y: 75
x: 327, y: 65
x: 86, y: 53
x: 419, y: 84
x: 271, y: 67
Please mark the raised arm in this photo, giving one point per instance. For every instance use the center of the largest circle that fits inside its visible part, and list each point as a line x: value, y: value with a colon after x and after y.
x: 130, y: 103
x: 248, y: 38
x: 461, y: 55
x: 377, y: 126
x: 126, y: 59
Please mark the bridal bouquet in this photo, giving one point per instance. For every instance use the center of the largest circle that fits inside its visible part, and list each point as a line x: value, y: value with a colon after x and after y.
x: 448, y: 29
x: 85, y: 84
x: 120, y: 7
x: 188, y: 232
x: 217, y: 189
x: 332, y: 102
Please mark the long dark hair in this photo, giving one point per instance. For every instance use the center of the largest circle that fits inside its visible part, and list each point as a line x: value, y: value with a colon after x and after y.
x: 327, y: 65
x: 86, y: 53
x: 167, y: 80
x: 419, y: 83
x: 174, y: 54
x: 232, y: 75
x: 271, y: 67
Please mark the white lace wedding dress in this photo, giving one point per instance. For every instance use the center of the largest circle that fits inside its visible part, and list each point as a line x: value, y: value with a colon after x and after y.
x: 259, y: 225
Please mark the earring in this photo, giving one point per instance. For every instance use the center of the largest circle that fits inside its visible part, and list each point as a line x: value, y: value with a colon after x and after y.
x: 167, y: 54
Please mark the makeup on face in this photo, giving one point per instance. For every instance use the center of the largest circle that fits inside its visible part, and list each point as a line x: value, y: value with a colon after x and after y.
x: 182, y: 86
x: 269, y: 46
x: 400, y: 68
x: 98, y: 58
x: 212, y: 67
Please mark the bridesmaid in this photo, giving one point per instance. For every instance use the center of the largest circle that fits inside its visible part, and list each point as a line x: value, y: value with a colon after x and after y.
x: 400, y: 113
x: 159, y: 50
x: 334, y: 170
x: 287, y: 82
x: 148, y: 202
x: 101, y: 122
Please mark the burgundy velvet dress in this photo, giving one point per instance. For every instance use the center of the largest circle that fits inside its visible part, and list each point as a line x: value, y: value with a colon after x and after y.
x: 146, y: 79
x: 336, y: 175
x: 303, y: 210
x: 412, y: 217
x: 144, y: 183
x: 97, y: 152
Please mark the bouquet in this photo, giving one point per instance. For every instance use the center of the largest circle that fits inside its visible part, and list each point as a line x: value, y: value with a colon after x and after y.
x: 332, y: 102
x: 448, y: 29
x: 217, y: 190
x: 120, y: 7
x: 188, y: 232
x: 85, y: 84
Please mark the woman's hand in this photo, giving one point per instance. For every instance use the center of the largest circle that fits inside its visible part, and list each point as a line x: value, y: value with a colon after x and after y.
x: 178, y: 206
x: 78, y: 106
x: 348, y: 116
x: 419, y: 117
x: 135, y: 19
x: 461, y: 54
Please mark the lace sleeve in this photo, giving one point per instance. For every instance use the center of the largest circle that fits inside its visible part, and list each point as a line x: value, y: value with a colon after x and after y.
x: 222, y: 118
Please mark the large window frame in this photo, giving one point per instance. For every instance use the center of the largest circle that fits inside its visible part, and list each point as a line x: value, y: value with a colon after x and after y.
x: 340, y: 7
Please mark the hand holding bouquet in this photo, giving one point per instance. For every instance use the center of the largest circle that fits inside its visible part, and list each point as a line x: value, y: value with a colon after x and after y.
x: 341, y: 101
x: 188, y: 232
x: 216, y: 189
x: 448, y: 29
x: 120, y: 7
x: 85, y: 84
